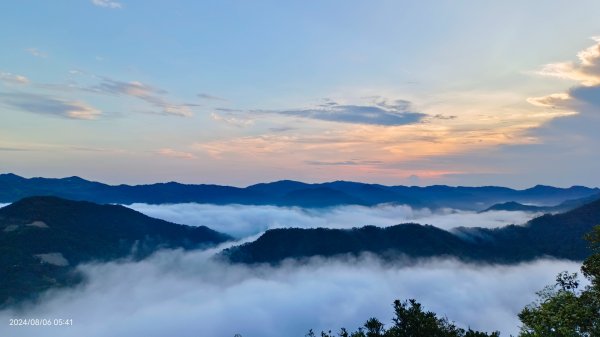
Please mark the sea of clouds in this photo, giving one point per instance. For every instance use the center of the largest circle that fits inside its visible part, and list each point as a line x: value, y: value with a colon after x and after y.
x: 185, y: 294
x: 177, y: 293
x: 244, y: 220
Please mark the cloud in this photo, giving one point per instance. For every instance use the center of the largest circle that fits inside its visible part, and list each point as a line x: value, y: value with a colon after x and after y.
x: 570, y: 135
x: 36, y: 52
x: 264, y: 144
x: 13, y: 78
x: 379, y: 113
x: 485, y: 121
x: 394, y: 146
x: 456, y: 124
x: 344, y: 163
x: 107, y: 4
x: 92, y: 149
x: 586, y: 70
x: 46, y: 105
x: 246, y: 220
x: 211, y: 97
x: 133, y: 88
x: 232, y: 119
x: 183, y: 294
x: 167, y: 152
x: 576, y: 134
x: 444, y: 117
x: 588, y: 95
x: 550, y: 101
x: 278, y: 129
x: 12, y: 149
x: 145, y: 92
x: 153, y: 96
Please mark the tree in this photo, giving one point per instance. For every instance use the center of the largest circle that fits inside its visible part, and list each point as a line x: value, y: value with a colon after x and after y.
x: 410, y: 321
x: 591, y: 266
x: 566, y: 310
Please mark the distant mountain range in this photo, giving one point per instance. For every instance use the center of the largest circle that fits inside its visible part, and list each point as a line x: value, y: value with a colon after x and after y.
x: 42, y: 239
x: 559, y: 236
x: 289, y: 193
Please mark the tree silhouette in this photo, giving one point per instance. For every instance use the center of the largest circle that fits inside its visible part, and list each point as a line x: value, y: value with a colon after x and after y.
x: 410, y: 320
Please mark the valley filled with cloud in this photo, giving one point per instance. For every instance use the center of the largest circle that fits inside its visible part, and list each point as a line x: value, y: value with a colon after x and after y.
x: 194, y: 293
x: 191, y: 294
x: 242, y: 220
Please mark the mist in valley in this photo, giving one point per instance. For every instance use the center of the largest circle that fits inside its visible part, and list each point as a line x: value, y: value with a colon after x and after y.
x: 191, y: 294
x: 243, y: 220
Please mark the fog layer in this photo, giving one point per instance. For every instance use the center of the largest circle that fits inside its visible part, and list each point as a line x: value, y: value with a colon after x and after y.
x: 243, y: 220
x: 175, y: 293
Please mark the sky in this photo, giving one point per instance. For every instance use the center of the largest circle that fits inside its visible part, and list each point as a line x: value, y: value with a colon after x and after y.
x: 239, y: 92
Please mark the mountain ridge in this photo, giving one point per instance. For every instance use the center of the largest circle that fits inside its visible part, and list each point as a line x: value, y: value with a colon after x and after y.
x: 43, y: 238
x: 287, y: 193
x: 554, y: 235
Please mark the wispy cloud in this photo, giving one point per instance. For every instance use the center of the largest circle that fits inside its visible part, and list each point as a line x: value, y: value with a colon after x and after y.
x: 232, y: 119
x: 12, y: 149
x: 155, y: 97
x: 145, y: 92
x: 92, y: 149
x: 36, y: 52
x: 371, y: 143
x: 382, y: 112
x: 13, y: 78
x: 211, y: 97
x: 133, y: 88
x: 550, y: 101
x: 51, y: 106
x: 107, y: 4
x: 265, y: 144
x: 343, y: 163
x: 282, y: 129
x: 444, y: 117
x: 168, y: 152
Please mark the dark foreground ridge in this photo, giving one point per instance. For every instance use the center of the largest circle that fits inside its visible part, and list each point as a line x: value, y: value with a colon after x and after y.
x: 42, y: 239
x: 290, y: 193
x: 559, y: 236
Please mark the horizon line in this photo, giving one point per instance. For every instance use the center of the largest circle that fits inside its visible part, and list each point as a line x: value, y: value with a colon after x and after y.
x: 296, y: 181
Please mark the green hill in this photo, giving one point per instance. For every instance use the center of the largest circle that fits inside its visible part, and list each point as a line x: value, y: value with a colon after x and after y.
x: 42, y: 239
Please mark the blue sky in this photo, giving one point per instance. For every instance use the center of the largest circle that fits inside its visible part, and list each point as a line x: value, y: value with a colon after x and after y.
x: 237, y: 92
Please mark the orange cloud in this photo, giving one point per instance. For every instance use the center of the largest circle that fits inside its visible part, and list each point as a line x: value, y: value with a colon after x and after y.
x: 168, y: 152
